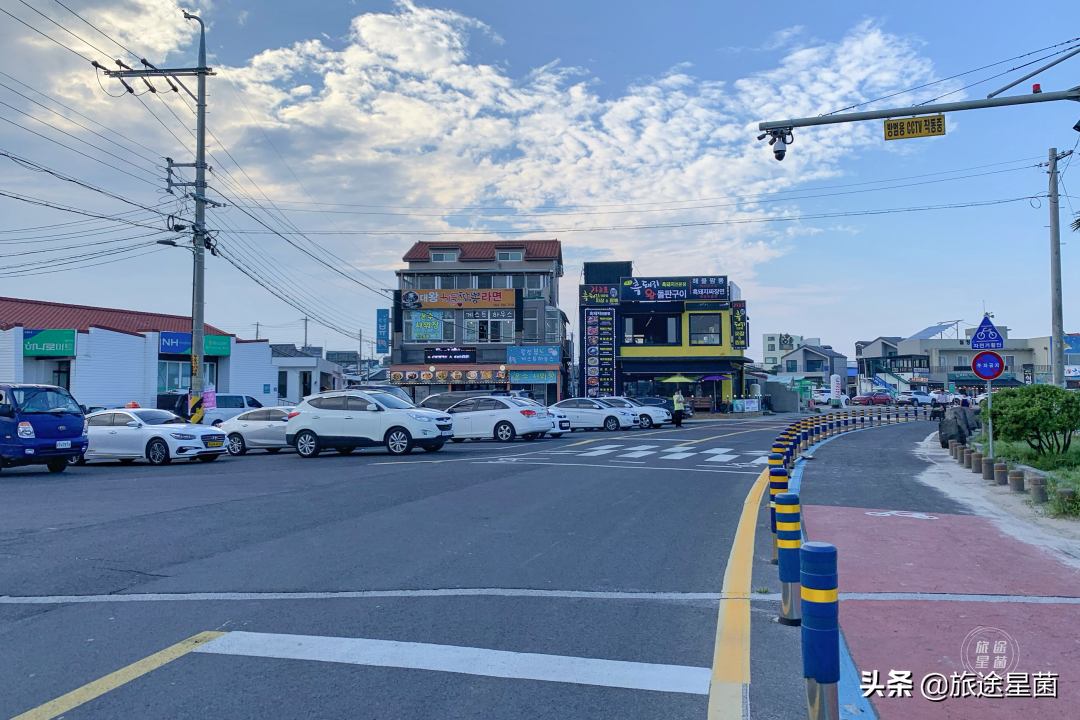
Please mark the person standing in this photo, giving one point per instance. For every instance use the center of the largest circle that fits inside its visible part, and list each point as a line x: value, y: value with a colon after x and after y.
x: 678, y: 405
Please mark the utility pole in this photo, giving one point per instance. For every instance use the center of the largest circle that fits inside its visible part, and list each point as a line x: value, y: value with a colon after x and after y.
x: 1057, y: 343
x: 200, y: 238
x: 256, y: 331
x: 305, y: 331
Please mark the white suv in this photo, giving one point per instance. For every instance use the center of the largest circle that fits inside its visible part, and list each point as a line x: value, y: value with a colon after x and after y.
x: 346, y: 420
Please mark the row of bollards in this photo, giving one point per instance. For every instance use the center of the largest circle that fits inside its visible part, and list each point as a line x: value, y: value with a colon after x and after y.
x: 808, y: 577
x: 998, y: 472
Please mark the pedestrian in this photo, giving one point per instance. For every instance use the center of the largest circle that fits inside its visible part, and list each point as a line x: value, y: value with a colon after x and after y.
x: 964, y: 402
x: 678, y: 405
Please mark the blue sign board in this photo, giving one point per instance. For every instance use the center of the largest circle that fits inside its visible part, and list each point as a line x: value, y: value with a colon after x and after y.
x: 532, y: 376
x: 266, y: 388
x: 540, y: 355
x: 382, y: 330
x: 987, y: 365
x: 987, y: 337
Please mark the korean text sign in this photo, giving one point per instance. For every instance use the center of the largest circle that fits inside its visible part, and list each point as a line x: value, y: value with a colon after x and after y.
x: 450, y: 299
x: 740, y: 326
x: 540, y: 355
x: 382, y: 330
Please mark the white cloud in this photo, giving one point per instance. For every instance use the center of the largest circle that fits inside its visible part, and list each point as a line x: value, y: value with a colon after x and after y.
x: 242, y: 18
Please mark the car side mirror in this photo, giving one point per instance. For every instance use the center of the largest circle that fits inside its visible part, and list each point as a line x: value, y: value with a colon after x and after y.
x: 372, y: 407
x: 7, y: 411
x: 133, y: 424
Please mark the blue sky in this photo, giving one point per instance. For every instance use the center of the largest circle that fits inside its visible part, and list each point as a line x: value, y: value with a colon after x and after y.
x: 564, y: 104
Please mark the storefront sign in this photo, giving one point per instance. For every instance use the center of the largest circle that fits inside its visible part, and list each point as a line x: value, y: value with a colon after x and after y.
x: 532, y: 376
x: 738, y: 405
x: 449, y: 355
x: 702, y: 306
x: 1071, y: 371
x: 740, y: 326
x: 426, y: 325
x: 752, y: 404
x: 180, y: 344
x: 599, y: 352
x: 449, y: 299
x: 598, y: 294
x: 382, y: 330
x: 49, y: 343
x: 445, y: 376
x: 1029, y: 374
x: 655, y: 289
x: 709, y: 288
x: 540, y: 355
x: 489, y: 314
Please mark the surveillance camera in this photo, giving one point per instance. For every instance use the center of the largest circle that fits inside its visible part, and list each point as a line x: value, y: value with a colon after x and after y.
x: 779, y: 151
x: 1076, y: 127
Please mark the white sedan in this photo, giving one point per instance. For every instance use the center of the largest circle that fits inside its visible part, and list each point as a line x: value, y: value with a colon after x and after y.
x: 158, y: 435
x: 585, y: 413
x: 257, y: 430
x: 501, y: 418
x: 649, y: 415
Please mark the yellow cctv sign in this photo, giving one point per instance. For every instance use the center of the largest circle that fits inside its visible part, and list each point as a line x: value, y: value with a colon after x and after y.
x: 928, y: 126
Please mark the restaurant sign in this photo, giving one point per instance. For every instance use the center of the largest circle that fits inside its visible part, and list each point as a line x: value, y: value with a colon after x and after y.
x: 598, y: 294
x: 450, y: 355
x: 450, y: 299
x: 532, y: 376
x: 740, y: 326
x: 655, y: 289
x: 539, y: 355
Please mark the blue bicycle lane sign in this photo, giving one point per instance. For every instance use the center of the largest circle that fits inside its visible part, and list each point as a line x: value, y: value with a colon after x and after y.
x: 987, y: 337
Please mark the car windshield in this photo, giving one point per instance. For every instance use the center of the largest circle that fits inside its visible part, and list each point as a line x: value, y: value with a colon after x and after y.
x: 45, y: 400
x: 159, y: 417
x: 391, y: 401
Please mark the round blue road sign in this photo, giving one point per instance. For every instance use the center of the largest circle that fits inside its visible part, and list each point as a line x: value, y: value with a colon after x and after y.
x: 988, y: 365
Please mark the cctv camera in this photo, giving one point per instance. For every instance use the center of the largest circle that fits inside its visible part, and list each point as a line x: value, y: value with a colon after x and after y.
x: 779, y: 151
x: 1076, y: 127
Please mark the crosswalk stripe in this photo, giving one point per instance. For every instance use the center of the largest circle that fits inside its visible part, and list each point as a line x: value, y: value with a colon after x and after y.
x: 596, y: 452
x: 677, y: 455
x: 641, y: 447
x: 638, y: 453
x: 761, y: 460
x: 678, y: 448
x: 720, y: 458
x: 718, y: 450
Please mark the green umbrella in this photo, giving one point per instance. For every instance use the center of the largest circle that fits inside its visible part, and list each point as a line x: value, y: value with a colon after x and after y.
x: 677, y: 379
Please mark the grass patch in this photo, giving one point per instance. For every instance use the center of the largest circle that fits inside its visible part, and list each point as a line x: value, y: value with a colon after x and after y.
x: 1062, y: 471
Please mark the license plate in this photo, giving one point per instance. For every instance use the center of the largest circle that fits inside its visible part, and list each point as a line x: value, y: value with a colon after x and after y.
x: 214, y: 443
x: 447, y: 432
x: 565, y: 425
x: 63, y: 444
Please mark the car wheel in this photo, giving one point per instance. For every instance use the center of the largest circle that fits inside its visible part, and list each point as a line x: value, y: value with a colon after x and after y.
x: 399, y: 441
x: 208, y: 458
x: 611, y: 423
x: 345, y: 450
x: 307, y: 444
x: 77, y: 460
x: 273, y: 451
x: 504, y: 432
x: 646, y: 422
x: 915, y: 403
x: 157, y: 452
x: 237, y: 446
x: 433, y: 448
x: 458, y: 439
x: 57, y: 465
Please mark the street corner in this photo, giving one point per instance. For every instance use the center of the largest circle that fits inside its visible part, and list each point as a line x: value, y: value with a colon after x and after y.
x: 961, y: 660
x: 882, y: 550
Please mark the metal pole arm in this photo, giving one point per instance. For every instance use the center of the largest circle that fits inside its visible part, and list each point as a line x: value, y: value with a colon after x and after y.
x: 185, y: 72
x: 1071, y: 94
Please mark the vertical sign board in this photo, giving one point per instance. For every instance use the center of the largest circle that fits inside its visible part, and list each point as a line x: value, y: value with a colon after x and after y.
x: 740, y: 326
x: 714, y: 287
x: 988, y: 365
x: 382, y: 330
x: 49, y: 343
x: 837, y: 388
x: 599, y: 340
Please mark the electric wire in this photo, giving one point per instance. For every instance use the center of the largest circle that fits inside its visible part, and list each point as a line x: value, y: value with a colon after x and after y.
x: 47, y: 37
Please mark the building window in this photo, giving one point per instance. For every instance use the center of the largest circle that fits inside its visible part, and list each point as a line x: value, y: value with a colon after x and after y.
x: 425, y: 282
x: 511, y: 256
x: 814, y: 365
x: 176, y: 375
x: 408, y: 282
x: 532, y: 325
x: 494, y: 331
x: 792, y: 366
x: 962, y: 360
x: 499, y: 282
x: 61, y: 376
x: 444, y: 257
x: 770, y: 361
x: 772, y: 347
x: 705, y: 329
x: 651, y: 329
x: 483, y: 282
x: 1010, y: 360
x: 283, y: 383
x: 552, y: 326
x: 943, y: 360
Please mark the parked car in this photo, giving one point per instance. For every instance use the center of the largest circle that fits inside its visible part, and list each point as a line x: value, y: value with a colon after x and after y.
x: 876, y: 397
x: 585, y: 413
x: 664, y: 402
x: 40, y: 425
x: 649, y: 415
x: 914, y: 398
x: 347, y: 419
x: 262, y: 429
x: 229, y: 405
x: 501, y: 418
x: 392, y: 389
x: 158, y: 435
x: 560, y: 422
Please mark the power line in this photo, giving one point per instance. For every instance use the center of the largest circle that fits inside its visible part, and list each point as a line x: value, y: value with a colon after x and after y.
x: 47, y: 37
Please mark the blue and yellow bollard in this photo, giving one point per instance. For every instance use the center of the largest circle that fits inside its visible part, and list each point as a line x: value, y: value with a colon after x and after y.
x: 804, y: 434
x: 820, y: 629
x: 778, y: 483
x: 788, y: 541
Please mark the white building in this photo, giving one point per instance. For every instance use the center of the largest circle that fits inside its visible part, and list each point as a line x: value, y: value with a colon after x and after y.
x: 775, y: 345
x: 109, y: 357
x: 300, y: 373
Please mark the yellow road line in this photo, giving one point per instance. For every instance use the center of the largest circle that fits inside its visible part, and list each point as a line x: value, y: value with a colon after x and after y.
x: 97, y: 688
x: 717, y: 437
x: 731, y: 656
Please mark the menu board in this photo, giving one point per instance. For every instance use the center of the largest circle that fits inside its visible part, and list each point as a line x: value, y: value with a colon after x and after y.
x: 740, y: 326
x: 599, y: 368
x: 714, y: 287
x: 656, y: 289
x: 598, y: 294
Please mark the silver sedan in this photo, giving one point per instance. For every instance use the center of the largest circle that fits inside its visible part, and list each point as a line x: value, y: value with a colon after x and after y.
x: 262, y: 429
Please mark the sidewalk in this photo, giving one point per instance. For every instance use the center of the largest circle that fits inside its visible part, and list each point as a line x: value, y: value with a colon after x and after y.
x: 930, y: 584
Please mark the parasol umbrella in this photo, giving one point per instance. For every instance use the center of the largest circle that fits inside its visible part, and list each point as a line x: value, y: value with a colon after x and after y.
x: 714, y: 378
x: 676, y: 379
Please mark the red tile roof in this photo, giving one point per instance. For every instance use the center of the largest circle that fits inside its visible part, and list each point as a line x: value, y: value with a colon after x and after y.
x: 51, y: 316
x: 534, y: 249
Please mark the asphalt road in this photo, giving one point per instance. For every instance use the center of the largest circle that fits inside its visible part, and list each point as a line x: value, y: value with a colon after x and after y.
x: 484, y: 581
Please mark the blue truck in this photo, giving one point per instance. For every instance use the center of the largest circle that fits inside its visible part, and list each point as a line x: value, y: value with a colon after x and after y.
x: 40, y: 425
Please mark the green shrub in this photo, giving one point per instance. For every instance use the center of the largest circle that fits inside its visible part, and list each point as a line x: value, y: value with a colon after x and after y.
x: 1043, y: 416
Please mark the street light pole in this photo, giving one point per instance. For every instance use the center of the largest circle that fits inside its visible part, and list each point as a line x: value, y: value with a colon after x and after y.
x: 1057, y: 345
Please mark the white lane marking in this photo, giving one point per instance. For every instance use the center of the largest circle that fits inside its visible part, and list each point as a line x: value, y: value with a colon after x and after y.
x: 719, y: 451
x: 599, y: 451
x: 760, y: 461
x: 642, y: 447
x: 720, y: 458
x: 465, y: 660
x: 639, y: 453
x: 677, y: 455
x: 678, y: 448
x: 620, y: 467
x: 634, y: 462
x: 506, y: 592
x: 757, y: 452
